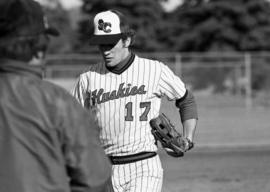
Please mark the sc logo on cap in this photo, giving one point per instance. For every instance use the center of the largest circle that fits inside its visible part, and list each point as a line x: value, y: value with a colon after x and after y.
x: 104, y: 26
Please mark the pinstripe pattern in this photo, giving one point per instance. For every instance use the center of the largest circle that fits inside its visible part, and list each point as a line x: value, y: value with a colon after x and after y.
x: 124, y: 103
x: 141, y: 176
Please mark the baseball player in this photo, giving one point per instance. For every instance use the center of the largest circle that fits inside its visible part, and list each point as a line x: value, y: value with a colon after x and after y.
x: 125, y: 91
x: 48, y: 142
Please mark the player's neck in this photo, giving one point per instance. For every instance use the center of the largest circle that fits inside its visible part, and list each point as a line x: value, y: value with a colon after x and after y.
x: 123, y: 65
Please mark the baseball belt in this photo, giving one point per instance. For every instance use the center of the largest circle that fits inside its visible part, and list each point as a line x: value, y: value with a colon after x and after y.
x: 116, y: 160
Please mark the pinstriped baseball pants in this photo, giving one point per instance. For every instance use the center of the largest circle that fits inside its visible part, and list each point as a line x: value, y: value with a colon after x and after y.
x: 141, y: 176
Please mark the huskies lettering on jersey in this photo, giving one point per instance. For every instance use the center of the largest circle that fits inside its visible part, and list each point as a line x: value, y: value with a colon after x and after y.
x: 99, y: 96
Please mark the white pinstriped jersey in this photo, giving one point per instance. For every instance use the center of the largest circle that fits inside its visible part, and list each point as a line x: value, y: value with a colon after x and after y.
x: 124, y: 103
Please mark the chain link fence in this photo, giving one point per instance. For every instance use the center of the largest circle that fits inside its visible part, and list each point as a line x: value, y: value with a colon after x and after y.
x: 241, y: 77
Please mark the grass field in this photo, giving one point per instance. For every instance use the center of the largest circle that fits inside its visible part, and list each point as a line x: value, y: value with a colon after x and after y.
x: 226, y: 122
x: 232, y: 152
x: 218, y: 171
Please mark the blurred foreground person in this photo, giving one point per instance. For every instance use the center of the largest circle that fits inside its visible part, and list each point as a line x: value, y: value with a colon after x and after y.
x: 48, y: 142
x: 125, y: 91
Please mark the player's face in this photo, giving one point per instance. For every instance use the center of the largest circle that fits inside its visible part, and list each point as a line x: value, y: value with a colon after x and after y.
x: 113, y: 54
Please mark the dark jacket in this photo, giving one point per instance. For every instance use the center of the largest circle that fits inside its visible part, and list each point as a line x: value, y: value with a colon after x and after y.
x: 48, y: 142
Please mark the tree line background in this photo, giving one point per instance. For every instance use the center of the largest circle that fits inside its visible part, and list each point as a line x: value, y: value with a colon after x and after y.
x: 193, y: 26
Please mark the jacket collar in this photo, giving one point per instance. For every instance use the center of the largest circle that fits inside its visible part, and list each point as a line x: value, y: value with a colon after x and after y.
x: 19, y: 67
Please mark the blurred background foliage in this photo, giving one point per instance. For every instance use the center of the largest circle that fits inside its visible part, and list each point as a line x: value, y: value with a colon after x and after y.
x: 193, y: 26
x: 59, y: 17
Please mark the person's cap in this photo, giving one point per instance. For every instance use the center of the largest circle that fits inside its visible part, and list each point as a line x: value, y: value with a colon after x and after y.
x: 19, y: 18
x: 106, y: 28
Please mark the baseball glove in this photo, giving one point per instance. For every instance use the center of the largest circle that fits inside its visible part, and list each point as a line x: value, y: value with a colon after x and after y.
x: 173, y: 142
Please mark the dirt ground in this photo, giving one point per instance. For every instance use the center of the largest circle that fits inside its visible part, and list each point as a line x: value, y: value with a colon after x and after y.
x: 214, y: 170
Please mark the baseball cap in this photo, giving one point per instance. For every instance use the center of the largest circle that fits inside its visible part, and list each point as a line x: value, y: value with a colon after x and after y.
x: 106, y: 28
x: 20, y: 18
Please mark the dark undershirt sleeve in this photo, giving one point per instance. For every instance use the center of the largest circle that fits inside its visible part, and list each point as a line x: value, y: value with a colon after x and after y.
x: 187, y: 107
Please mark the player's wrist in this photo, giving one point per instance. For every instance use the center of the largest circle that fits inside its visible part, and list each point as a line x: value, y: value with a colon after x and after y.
x: 190, y: 143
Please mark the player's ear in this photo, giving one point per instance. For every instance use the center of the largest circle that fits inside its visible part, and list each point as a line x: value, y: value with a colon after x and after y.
x: 127, y: 42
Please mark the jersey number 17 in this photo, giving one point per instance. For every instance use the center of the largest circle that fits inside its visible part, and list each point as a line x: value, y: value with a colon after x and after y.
x: 143, y: 116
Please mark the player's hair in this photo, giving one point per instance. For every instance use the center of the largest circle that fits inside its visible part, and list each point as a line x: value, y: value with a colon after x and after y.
x: 125, y: 28
x: 23, y: 48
